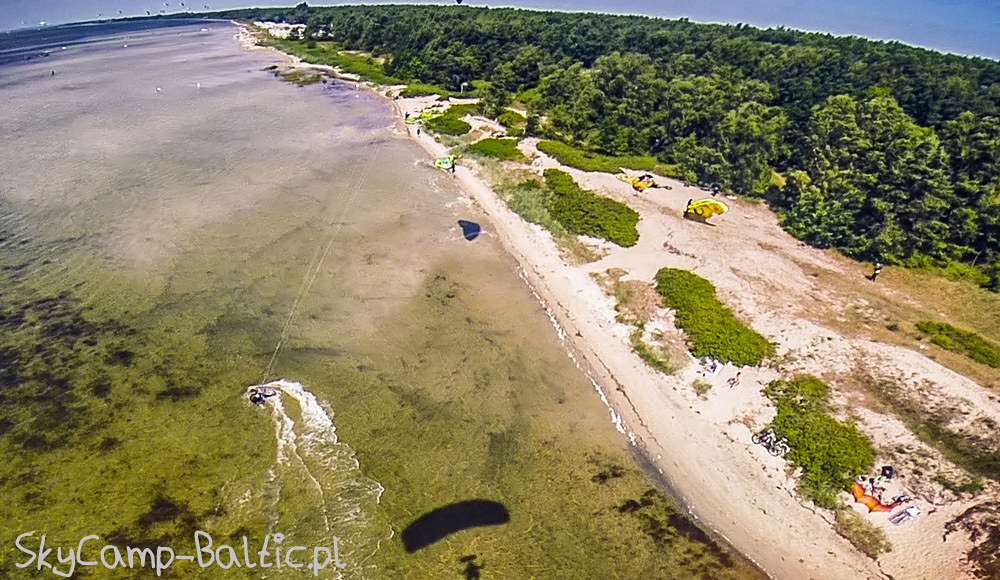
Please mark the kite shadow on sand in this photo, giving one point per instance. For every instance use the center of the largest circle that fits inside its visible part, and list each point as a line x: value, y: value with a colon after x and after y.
x: 440, y: 523
x: 698, y: 219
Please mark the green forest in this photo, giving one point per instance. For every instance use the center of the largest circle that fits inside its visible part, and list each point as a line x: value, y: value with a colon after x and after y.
x: 884, y: 151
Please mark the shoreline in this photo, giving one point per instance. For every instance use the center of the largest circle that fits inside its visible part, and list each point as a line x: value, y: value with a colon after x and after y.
x: 650, y: 454
x: 519, y: 238
x: 715, y: 477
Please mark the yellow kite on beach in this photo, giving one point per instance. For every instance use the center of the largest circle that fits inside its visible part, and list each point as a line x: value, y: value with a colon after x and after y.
x: 705, y: 208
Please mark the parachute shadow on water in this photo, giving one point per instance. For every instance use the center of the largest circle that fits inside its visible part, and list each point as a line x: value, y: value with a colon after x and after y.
x: 470, y: 230
x: 437, y: 524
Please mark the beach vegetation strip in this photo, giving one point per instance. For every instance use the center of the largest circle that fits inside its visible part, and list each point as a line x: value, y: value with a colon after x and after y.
x: 504, y: 149
x: 300, y: 77
x: 417, y: 89
x: 863, y: 535
x: 447, y: 125
x: 329, y: 54
x: 648, y: 354
x: 511, y: 119
x: 451, y: 123
x: 586, y: 213
x: 589, y: 161
x: 711, y: 328
x: 976, y: 453
x: 830, y: 453
x: 961, y: 341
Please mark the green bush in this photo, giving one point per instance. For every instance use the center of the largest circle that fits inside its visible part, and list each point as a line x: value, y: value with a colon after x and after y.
x: 459, y: 111
x: 505, y: 149
x: 511, y: 119
x: 588, y: 161
x: 529, y: 200
x: 961, y: 341
x: 451, y: 123
x: 583, y: 212
x: 711, y: 329
x: 830, y: 454
x: 447, y: 125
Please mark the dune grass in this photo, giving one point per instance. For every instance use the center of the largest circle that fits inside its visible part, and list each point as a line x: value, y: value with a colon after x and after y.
x: 422, y: 90
x: 584, y: 212
x: 328, y: 53
x: 649, y: 355
x: 962, y: 341
x: 447, y: 125
x: 711, y: 329
x: 300, y: 77
x: 504, y: 149
x: 829, y: 453
x: 590, y: 161
x: 864, y: 536
x: 975, y: 455
x: 451, y: 123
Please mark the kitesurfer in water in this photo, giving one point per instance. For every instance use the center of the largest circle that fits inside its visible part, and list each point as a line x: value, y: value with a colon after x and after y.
x: 259, y: 396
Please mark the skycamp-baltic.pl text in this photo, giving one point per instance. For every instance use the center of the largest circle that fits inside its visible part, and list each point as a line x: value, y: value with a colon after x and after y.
x: 271, y: 554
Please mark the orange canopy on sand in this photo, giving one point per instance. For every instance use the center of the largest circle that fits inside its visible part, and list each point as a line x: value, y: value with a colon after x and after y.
x: 871, y: 502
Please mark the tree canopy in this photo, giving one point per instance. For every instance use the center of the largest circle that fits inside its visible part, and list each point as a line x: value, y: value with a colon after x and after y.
x: 889, y: 152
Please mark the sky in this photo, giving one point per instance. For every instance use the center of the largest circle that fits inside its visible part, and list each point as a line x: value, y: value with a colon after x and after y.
x: 970, y: 27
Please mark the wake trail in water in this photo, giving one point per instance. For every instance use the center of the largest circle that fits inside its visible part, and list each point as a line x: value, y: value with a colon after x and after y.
x: 344, y: 496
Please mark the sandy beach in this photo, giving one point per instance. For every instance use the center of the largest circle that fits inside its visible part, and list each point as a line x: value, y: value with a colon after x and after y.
x: 701, y: 446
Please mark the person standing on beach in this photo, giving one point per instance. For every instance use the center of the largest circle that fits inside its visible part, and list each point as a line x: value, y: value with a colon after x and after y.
x: 876, y: 271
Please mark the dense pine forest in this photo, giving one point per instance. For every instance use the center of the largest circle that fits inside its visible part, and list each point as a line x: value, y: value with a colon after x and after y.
x: 884, y: 151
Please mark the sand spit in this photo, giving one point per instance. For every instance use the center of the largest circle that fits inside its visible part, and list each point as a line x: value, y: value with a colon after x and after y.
x: 702, y: 446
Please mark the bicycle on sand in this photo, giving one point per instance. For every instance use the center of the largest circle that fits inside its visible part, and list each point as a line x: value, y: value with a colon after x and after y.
x: 769, y: 439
